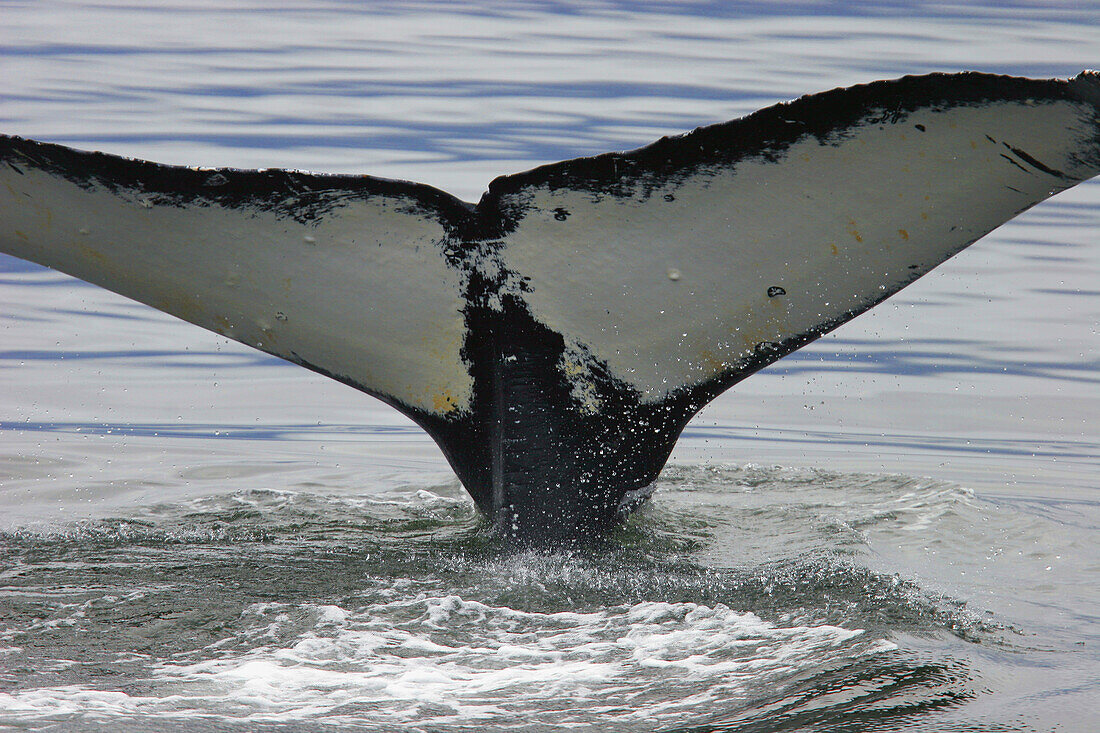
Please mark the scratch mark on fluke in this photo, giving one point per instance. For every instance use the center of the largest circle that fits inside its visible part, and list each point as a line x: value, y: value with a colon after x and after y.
x: 1013, y: 162
x: 1035, y: 163
x: 555, y: 366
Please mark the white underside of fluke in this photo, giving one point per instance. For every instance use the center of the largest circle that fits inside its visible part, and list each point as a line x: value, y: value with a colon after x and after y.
x: 676, y: 284
x: 364, y: 291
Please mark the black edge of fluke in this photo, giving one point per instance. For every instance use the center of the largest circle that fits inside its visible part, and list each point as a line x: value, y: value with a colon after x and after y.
x: 298, y: 195
x: 768, y: 132
x: 546, y: 465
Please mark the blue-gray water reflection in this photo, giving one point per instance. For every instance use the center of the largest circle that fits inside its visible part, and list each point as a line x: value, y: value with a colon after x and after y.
x: 892, y: 529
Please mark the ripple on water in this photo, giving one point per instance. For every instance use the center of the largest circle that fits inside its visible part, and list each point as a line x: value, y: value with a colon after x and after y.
x: 293, y: 608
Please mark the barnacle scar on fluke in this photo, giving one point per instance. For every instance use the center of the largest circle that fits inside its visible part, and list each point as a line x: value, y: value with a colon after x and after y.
x: 555, y: 338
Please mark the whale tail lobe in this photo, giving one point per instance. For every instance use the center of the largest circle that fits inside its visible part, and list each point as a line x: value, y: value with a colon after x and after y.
x: 555, y: 338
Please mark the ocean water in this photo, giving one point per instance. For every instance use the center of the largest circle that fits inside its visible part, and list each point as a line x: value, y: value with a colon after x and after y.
x: 892, y: 529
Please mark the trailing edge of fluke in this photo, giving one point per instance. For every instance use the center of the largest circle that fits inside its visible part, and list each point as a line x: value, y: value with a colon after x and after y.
x: 555, y: 338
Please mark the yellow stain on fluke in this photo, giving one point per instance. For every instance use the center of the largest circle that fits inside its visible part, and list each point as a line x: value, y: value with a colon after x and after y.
x: 91, y: 253
x: 572, y: 369
x: 903, y: 234
x: 180, y: 305
x: 444, y: 402
x: 853, y: 231
x: 713, y: 365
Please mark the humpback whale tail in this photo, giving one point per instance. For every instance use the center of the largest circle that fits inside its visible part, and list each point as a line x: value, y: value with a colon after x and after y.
x: 555, y: 338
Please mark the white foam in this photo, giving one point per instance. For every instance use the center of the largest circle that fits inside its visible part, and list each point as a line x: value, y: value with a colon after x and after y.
x: 441, y: 660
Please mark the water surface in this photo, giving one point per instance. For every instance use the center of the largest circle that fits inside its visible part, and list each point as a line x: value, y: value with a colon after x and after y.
x: 893, y: 529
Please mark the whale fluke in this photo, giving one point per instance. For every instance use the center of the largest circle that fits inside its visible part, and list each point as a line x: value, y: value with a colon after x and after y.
x: 555, y: 338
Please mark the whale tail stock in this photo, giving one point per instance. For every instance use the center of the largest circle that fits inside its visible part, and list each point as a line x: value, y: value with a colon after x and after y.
x: 555, y: 339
